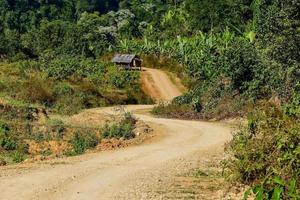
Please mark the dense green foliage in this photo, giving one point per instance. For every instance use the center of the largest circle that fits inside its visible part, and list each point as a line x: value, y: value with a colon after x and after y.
x: 32, y: 27
x: 266, y: 152
x: 91, y: 28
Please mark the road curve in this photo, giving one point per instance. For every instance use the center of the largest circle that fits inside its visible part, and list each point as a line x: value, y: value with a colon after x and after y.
x: 105, y: 175
x: 129, y: 173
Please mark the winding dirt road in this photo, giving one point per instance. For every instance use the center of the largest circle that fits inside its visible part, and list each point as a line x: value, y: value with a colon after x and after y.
x: 135, y: 172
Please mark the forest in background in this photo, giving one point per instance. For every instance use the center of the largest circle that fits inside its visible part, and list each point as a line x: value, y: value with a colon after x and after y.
x: 237, y: 57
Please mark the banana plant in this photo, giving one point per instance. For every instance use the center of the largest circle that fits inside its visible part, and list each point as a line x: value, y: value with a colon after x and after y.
x: 250, y: 36
x: 124, y: 45
x: 227, y: 36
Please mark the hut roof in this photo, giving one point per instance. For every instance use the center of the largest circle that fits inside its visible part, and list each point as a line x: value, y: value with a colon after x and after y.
x: 123, y: 58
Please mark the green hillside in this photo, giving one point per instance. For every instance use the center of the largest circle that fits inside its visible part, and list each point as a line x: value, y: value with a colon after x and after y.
x: 238, y: 58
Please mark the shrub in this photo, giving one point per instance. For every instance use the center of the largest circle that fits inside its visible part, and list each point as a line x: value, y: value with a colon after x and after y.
x: 68, y: 104
x: 118, y: 131
x: 17, y: 156
x: 162, y: 62
x: 7, y: 142
x: 82, y: 141
x: 57, y: 126
x: 36, y: 90
x: 62, y: 89
x: 174, y: 110
x: 13, y: 146
x: 69, y: 84
x: 63, y: 67
x: 78, y: 143
x: 293, y: 108
x: 39, y: 137
x: 70, y: 100
x: 120, y: 78
x: 3, y: 127
x: 123, y: 129
x: 266, y: 153
x: 128, y: 118
x: 242, y: 65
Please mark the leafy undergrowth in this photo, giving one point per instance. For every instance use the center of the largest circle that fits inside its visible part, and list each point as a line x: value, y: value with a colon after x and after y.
x: 121, y: 130
x: 266, y: 154
x: 222, y: 108
x: 176, y: 111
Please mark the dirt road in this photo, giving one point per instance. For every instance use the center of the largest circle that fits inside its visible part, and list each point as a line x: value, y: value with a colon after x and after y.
x: 136, y: 172
x: 158, y: 85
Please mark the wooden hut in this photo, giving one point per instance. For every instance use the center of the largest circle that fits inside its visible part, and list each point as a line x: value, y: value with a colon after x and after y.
x: 128, y: 61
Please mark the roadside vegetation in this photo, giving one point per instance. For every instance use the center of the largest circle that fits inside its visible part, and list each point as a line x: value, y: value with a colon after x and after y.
x: 122, y: 129
x: 67, y: 85
x: 266, y: 154
x: 28, y: 133
x: 236, y: 57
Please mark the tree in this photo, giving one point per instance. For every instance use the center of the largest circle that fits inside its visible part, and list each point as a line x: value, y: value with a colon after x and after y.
x: 216, y: 14
x: 279, y: 42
